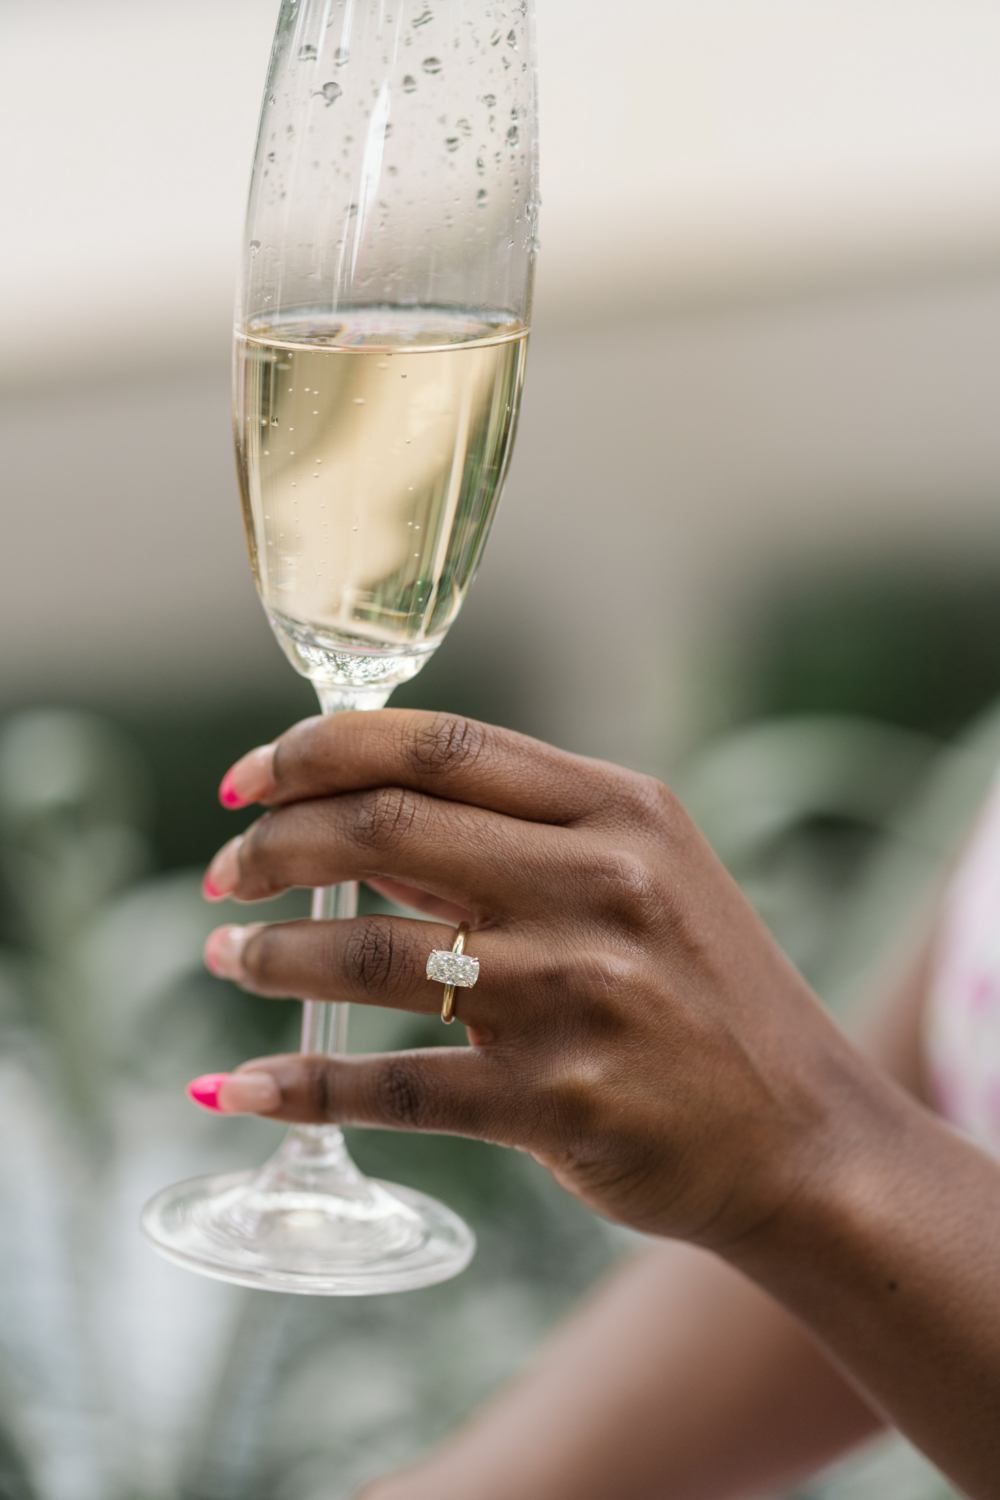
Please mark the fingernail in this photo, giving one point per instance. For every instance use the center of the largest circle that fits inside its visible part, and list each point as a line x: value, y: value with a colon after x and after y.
x: 251, y: 778
x: 205, y: 1090
x: 248, y: 1094
x: 224, y: 951
x: 223, y: 874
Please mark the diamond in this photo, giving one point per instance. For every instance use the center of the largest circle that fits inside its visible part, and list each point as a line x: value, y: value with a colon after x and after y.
x: 453, y: 968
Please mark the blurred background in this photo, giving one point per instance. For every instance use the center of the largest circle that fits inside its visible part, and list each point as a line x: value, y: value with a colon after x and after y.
x: 750, y: 542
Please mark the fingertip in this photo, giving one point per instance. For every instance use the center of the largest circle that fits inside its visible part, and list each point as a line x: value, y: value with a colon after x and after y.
x: 250, y: 779
x: 228, y: 795
x: 204, y: 1090
x: 223, y: 951
x: 223, y: 874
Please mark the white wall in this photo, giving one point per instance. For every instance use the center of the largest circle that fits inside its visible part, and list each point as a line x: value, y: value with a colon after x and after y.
x: 689, y: 146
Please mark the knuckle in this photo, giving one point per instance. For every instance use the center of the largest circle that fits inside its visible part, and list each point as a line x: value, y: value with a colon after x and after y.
x: 648, y: 801
x: 573, y: 1101
x: 373, y: 956
x: 401, y: 1094
x: 261, y: 960
x: 300, y: 753
x: 604, y: 977
x: 445, y: 744
x: 624, y: 888
x: 258, y: 857
x: 385, y: 817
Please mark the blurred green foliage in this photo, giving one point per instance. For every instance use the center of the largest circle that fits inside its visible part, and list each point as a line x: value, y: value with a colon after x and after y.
x: 123, y: 1378
x: 916, y: 645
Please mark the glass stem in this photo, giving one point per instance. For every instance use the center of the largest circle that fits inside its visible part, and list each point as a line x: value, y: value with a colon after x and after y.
x: 324, y: 1025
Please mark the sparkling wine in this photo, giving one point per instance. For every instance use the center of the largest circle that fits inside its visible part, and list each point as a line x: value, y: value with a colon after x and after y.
x: 372, y: 448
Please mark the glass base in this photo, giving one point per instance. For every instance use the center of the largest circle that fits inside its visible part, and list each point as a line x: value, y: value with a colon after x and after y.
x: 309, y: 1222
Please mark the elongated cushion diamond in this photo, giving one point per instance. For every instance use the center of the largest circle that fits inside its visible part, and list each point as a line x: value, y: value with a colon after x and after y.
x: 453, y: 968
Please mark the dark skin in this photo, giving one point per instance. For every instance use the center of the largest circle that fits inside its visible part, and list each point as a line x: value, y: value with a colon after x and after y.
x: 637, y: 1030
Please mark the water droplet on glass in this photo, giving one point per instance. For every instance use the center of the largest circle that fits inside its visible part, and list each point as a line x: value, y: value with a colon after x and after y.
x: 495, y: 38
x: 274, y: 421
x: 331, y: 92
x: 536, y: 245
x: 452, y: 143
x: 490, y: 100
x: 424, y: 17
x: 512, y: 135
x: 431, y: 65
x: 341, y: 56
x: 481, y: 198
x: 308, y: 53
x: 512, y: 39
x: 409, y: 84
x: 254, y: 247
x: 463, y: 126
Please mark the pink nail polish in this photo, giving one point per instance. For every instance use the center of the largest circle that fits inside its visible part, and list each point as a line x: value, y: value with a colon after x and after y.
x: 205, y: 1090
x: 210, y: 955
x: 209, y: 891
x: 228, y: 795
x: 224, y: 948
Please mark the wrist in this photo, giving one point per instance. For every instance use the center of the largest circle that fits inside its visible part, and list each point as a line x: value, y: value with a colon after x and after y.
x: 842, y: 1179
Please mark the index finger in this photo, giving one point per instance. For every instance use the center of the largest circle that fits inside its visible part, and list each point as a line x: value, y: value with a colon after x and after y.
x: 440, y: 754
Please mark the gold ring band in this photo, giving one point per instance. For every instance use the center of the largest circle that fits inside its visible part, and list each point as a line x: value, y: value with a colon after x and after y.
x: 455, y: 969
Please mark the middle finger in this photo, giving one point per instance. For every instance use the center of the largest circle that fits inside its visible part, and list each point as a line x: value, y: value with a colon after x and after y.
x: 484, y: 862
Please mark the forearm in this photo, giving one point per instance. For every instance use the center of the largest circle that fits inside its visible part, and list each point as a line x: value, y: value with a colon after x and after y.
x: 889, y: 1255
x: 677, y: 1377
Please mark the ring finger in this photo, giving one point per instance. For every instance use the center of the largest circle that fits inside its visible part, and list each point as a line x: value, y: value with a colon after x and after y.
x: 374, y: 960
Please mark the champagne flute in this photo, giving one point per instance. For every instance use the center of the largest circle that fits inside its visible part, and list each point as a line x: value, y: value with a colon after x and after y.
x: 381, y: 332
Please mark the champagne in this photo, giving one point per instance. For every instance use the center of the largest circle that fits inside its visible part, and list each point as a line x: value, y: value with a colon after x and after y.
x: 371, y: 449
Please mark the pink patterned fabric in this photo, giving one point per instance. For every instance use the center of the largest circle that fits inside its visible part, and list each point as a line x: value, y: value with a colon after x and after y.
x: 963, y: 1018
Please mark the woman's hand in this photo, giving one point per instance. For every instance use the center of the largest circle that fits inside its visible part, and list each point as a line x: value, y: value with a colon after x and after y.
x: 634, y: 1027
